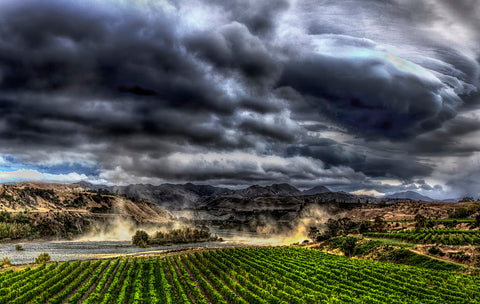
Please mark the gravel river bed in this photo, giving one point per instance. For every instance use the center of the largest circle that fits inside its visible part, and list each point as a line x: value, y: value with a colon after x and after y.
x: 94, y: 249
x: 84, y: 250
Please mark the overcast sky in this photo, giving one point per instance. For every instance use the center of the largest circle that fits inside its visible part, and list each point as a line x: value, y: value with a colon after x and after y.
x: 358, y: 95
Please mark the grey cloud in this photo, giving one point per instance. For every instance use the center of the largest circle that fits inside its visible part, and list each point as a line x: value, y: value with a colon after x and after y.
x: 369, y: 96
x: 259, y: 16
x: 102, y: 55
x: 370, y: 163
x: 130, y: 89
x: 234, y: 48
x: 233, y: 169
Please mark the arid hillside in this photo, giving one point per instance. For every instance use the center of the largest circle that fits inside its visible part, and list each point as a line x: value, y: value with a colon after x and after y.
x: 406, y: 211
x: 48, y: 198
x: 37, y: 210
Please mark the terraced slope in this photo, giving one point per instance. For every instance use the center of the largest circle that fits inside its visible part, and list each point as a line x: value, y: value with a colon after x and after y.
x: 432, y: 236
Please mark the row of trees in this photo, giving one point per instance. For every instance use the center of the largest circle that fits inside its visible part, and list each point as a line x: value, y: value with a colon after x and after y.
x: 344, y: 226
x: 175, y: 236
x: 14, y: 230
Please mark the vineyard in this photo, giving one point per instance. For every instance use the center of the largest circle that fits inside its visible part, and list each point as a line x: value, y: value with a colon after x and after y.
x: 264, y: 275
x: 433, y: 236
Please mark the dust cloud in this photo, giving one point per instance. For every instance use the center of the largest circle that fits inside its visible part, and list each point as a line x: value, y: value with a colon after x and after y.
x: 117, y: 229
x: 312, y: 215
x: 270, y: 234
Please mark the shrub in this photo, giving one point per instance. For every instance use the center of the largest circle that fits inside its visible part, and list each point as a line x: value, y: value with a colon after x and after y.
x: 18, y: 247
x: 42, y: 258
x: 140, y: 239
x: 5, y: 262
x: 461, y: 212
x: 436, y: 250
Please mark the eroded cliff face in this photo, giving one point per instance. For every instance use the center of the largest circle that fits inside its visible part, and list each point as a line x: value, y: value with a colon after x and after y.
x: 36, y: 210
x: 54, y: 198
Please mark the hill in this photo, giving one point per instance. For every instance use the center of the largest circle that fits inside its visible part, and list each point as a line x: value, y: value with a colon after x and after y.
x: 49, y: 197
x: 168, y: 196
x: 316, y: 190
x: 256, y: 190
x: 44, y: 209
x: 410, y: 195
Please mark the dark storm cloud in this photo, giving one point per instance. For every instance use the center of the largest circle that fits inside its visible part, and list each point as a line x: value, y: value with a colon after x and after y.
x: 334, y: 154
x: 259, y: 16
x: 132, y: 83
x: 275, y: 130
x: 445, y: 141
x: 235, y: 48
x: 380, y: 95
x: 93, y: 74
x: 239, y: 91
x: 360, y: 95
x: 101, y: 55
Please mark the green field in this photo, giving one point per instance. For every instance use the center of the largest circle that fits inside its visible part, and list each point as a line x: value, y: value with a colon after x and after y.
x: 263, y: 275
x: 432, y: 236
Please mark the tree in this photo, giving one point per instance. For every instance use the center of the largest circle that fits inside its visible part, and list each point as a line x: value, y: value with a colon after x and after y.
x: 476, y: 223
x: 314, y: 233
x: 5, y: 262
x: 378, y: 224
x: 364, y: 226
x: 140, y: 239
x: 348, y: 245
x: 420, y: 221
x: 42, y: 258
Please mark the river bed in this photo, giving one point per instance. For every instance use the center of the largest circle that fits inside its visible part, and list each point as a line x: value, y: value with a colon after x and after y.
x: 94, y: 249
x: 84, y: 250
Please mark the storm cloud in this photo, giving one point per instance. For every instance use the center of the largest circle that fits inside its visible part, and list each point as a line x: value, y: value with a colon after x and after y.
x: 347, y: 94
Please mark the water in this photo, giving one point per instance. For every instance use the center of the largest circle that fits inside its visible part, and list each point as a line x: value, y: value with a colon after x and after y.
x: 84, y: 250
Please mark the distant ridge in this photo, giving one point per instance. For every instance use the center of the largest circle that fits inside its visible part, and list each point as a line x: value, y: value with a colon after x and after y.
x: 192, y: 196
x: 273, y: 190
x: 410, y: 195
x: 316, y: 190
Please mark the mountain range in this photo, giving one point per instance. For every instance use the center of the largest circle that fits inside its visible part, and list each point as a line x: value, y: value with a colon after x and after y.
x: 192, y: 196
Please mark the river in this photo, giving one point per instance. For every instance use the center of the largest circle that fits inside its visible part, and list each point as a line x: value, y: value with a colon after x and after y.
x: 84, y: 249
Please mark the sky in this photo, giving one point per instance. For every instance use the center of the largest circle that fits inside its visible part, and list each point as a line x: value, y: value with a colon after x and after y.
x: 364, y: 96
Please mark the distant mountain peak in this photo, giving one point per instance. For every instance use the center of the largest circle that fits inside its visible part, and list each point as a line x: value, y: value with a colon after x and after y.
x: 316, y: 190
x: 282, y: 189
x: 411, y: 195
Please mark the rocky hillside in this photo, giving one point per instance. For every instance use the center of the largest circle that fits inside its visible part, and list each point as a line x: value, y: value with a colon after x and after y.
x: 168, y: 196
x: 37, y: 197
x: 256, y: 190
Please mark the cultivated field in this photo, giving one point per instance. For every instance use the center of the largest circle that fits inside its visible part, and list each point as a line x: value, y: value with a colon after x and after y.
x: 433, y: 236
x: 263, y: 275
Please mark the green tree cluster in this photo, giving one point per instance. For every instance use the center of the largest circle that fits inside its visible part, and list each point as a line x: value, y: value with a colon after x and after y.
x: 175, y: 236
x: 42, y: 258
